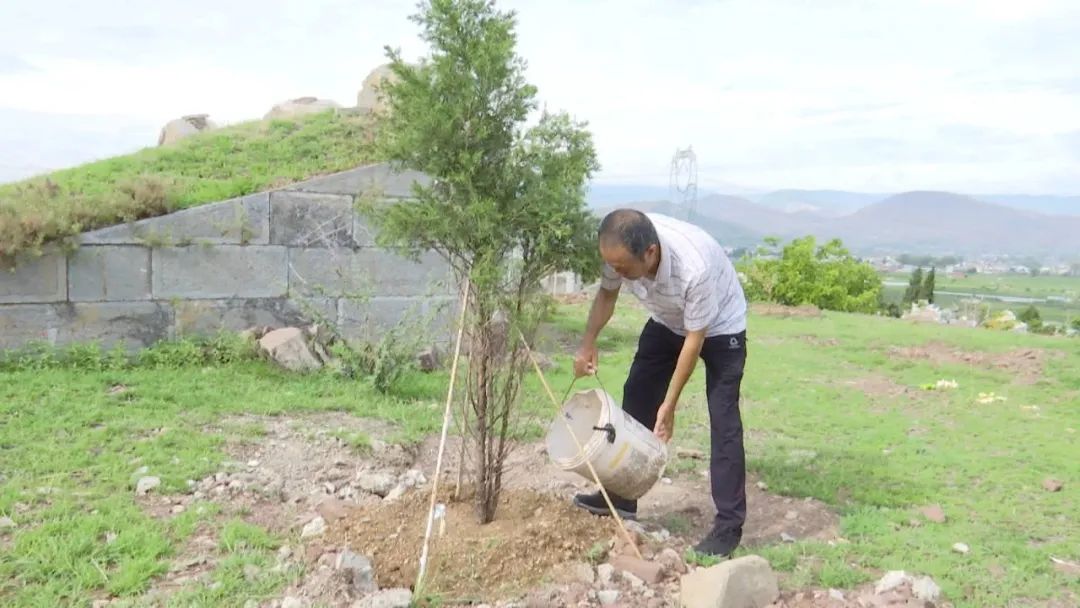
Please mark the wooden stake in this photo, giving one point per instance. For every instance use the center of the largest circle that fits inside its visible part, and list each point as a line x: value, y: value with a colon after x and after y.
x: 442, y: 440
x: 581, y: 449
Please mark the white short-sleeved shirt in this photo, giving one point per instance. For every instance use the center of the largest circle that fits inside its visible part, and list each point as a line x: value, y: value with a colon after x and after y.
x: 696, y: 286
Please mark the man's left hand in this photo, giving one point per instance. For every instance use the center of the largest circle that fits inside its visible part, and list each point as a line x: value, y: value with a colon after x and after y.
x: 665, y: 421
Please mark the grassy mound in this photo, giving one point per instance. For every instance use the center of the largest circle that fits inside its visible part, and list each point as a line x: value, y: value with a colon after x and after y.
x: 208, y: 167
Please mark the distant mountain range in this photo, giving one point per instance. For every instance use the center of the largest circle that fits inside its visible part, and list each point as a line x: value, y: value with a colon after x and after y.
x: 911, y: 222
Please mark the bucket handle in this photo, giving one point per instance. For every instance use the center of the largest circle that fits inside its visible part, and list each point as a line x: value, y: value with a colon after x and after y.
x: 609, y: 429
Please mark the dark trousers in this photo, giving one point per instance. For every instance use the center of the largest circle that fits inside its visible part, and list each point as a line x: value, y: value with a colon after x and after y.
x: 724, y: 358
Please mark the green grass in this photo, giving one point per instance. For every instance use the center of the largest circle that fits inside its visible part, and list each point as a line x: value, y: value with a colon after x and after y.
x: 876, y: 459
x: 211, y: 166
x: 70, y: 447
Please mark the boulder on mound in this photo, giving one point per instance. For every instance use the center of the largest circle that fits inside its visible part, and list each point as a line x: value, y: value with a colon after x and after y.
x: 369, y: 99
x: 185, y: 126
x: 300, y: 107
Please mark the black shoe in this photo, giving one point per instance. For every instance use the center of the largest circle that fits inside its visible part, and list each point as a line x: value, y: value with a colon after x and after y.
x: 720, y: 541
x: 594, y: 503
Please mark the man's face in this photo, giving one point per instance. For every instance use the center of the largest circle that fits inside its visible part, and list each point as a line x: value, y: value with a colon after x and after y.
x: 623, y: 262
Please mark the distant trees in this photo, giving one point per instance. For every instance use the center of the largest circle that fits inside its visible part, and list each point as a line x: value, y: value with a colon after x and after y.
x: 928, y: 260
x: 827, y: 276
x: 927, y: 291
x: 914, y: 288
x: 1031, y: 316
x: 920, y: 288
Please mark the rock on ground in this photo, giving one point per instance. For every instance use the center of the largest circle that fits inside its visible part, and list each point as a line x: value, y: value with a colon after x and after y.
x: 145, y: 484
x: 891, y: 580
x: 315, y: 527
x: 6, y: 522
x: 746, y: 582
x: 607, y: 597
x: 650, y: 572
x: 358, y: 571
x: 289, y: 348
x: 604, y: 573
x: 293, y: 602
x: 387, y: 598
x: 926, y: 589
x: 379, y: 484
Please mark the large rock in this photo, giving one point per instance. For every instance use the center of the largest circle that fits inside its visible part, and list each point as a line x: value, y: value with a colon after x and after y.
x: 289, y: 348
x: 369, y: 97
x: 357, y: 571
x: 746, y: 582
x: 182, y: 127
x: 300, y: 106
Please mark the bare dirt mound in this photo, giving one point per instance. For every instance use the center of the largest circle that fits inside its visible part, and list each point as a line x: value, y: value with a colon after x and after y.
x: 531, y: 534
x: 681, y: 504
x: 769, y: 309
x: 1025, y: 364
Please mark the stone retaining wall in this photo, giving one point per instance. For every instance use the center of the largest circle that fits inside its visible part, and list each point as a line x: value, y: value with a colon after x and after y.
x: 276, y: 258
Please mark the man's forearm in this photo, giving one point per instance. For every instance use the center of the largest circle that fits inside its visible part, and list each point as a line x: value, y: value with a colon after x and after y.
x: 602, y: 308
x: 688, y: 357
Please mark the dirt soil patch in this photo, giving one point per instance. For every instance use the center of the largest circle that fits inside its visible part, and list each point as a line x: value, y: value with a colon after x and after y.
x: 531, y: 534
x: 1025, y: 364
x: 878, y: 385
x: 769, y: 309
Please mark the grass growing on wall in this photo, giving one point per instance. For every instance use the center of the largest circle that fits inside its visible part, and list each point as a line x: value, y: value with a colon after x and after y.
x: 207, y: 167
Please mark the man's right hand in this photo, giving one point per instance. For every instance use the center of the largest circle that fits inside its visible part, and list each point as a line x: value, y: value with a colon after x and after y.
x: 585, y: 361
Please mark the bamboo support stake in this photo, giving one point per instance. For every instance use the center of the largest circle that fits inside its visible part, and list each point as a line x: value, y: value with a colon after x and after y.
x: 442, y: 440
x: 596, y: 478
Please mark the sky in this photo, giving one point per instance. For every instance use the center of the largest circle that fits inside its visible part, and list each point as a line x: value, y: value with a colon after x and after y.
x: 870, y: 95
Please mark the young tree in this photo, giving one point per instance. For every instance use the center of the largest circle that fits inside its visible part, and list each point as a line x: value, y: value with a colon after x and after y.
x: 506, y: 205
x: 914, y: 288
x: 926, y: 291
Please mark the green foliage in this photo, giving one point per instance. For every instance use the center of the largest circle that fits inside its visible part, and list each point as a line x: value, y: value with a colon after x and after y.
x: 914, y: 288
x: 1030, y: 315
x: 1076, y: 323
x: 211, y: 166
x: 507, y: 206
x: 926, y: 291
x: 828, y: 277
x: 221, y: 349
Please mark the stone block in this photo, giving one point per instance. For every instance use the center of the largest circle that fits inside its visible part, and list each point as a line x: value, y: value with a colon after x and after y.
x: 109, y: 272
x: 376, y: 180
x: 21, y: 324
x: 367, y: 271
x: 208, y: 317
x: 224, y: 271
x: 34, y: 279
x: 136, y: 324
x: 238, y: 221
x: 305, y: 219
x: 371, y: 319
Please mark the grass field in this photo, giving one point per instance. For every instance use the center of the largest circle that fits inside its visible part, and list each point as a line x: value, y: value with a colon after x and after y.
x: 211, y: 166
x: 830, y: 412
